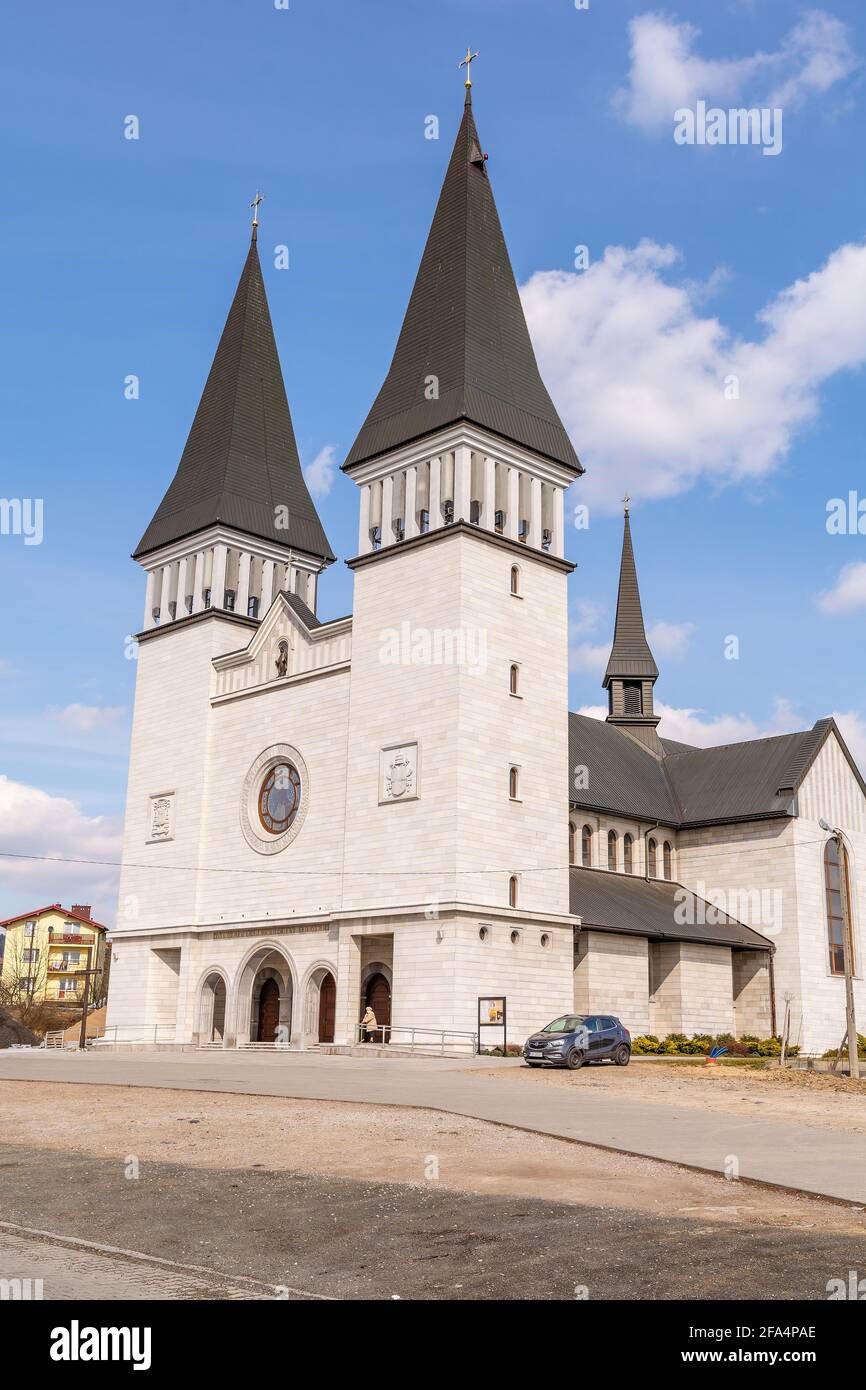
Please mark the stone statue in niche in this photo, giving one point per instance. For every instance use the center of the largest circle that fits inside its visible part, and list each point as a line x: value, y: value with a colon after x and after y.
x: 282, y: 661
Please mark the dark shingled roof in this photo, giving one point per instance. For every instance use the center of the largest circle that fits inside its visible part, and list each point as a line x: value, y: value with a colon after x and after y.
x: 660, y: 910
x: 465, y: 326
x: 241, y: 461
x: 692, y: 786
x: 630, y: 656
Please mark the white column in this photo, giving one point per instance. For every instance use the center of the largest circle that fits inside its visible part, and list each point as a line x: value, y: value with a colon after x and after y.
x: 388, y: 510
x: 435, y: 493
x: 513, y: 517
x: 149, y: 596
x: 198, y: 584
x: 462, y: 480
x: 558, y: 542
x: 267, y: 587
x: 535, y: 513
x: 364, y: 543
x: 182, y: 587
x: 165, y: 595
x: 312, y: 590
x: 242, y: 598
x: 218, y: 578
x: 488, y: 500
x: 411, y: 519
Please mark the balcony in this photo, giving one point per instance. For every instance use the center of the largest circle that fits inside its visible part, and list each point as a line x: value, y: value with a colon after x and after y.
x: 65, y: 967
x: 68, y: 938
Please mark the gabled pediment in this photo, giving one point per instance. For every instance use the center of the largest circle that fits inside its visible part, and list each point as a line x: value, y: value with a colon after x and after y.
x: 289, y: 644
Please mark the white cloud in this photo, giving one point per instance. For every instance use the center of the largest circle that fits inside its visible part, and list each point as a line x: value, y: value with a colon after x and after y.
x: 33, y: 822
x: 696, y: 727
x: 321, y: 472
x: 667, y: 72
x: 670, y: 640
x: 849, y: 591
x: 589, y: 657
x: 84, y: 719
x: 657, y: 396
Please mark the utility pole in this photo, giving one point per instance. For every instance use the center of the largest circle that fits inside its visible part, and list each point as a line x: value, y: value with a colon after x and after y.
x: 847, y: 950
x: 82, y: 1036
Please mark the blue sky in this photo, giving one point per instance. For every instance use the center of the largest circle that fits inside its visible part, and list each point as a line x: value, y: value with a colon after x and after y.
x: 120, y: 257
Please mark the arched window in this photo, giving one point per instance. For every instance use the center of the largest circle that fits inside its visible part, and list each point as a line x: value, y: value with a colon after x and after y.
x: 572, y: 842
x: 628, y: 854
x: 611, y: 849
x: 833, y: 881
x: 515, y: 579
x: 667, y: 855
x: 586, y: 847
x: 652, y: 850
x: 513, y: 783
x: 512, y: 891
x: 512, y: 680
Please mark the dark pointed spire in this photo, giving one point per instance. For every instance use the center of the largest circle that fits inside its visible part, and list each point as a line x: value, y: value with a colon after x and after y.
x: 630, y: 656
x: 240, y: 464
x: 465, y: 330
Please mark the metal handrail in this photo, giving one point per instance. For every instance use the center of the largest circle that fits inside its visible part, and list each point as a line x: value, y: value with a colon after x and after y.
x: 141, y: 1032
x: 383, y: 1033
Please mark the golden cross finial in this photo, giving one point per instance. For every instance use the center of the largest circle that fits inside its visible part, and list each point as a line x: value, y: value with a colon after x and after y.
x: 259, y: 198
x: 467, y: 64
x: 626, y: 502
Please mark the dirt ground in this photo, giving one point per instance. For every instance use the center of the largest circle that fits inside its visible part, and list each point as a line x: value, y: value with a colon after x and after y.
x: 804, y: 1097
x: 425, y: 1149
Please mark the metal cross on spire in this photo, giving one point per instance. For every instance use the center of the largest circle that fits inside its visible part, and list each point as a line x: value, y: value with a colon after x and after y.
x: 626, y: 502
x: 259, y: 198
x: 467, y: 64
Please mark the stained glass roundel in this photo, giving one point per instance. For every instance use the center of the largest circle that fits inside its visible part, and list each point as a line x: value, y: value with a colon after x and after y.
x: 279, y: 797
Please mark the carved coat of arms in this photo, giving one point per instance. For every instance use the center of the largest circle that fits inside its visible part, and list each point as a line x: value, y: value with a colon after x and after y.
x: 400, y: 777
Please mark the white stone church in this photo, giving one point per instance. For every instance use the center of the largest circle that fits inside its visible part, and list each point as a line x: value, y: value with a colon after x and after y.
x: 395, y: 808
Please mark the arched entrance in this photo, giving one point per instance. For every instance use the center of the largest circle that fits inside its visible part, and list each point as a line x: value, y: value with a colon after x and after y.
x: 212, y: 1010
x: 327, y: 1007
x: 377, y: 997
x: 268, y: 1012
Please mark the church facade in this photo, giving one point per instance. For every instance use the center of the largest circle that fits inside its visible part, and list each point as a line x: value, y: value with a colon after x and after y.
x: 395, y: 809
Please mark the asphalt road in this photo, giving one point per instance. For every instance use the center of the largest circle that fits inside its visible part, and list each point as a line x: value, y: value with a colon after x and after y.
x: 343, y: 1239
x: 807, y: 1158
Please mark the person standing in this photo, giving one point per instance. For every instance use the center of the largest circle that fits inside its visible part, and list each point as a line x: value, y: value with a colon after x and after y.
x: 368, y: 1022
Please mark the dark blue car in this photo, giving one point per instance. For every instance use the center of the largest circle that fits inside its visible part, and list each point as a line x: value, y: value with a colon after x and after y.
x: 574, y: 1039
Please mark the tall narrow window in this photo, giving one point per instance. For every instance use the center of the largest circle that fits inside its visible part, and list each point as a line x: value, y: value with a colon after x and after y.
x: 513, y: 783
x: 572, y: 842
x: 628, y: 853
x: 513, y: 680
x: 667, y: 856
x: 515, y: 579
x: 833, y: 872
x: 652, y: 849
x: 512, y: 891
x: 611, y: 849
x: 586, y: 847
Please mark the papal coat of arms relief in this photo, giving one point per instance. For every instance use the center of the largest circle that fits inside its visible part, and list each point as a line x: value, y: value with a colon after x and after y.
x: 161, y: 817
x: 399, y: 773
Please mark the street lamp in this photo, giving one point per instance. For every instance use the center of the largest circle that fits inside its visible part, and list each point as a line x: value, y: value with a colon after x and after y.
x: 847, y: 950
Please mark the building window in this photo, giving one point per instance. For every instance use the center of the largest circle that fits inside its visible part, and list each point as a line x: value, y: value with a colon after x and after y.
x: 512, y: 891
x: 252, y: 607
x: 29, y: 929
x: 628, y: 854
x: 667, y: 857
x: 513, y: 680
x: 586, y: 847
x: 611, y: 849
x: 632, y: 697
x: 652, y: 850
x: 515, y: 579
x: 229, y: 600
x: 572, y: 842
x: 423, y: 522
x: 206, y: 598
x: 515, y: 938
x: 30, y: 955
x: 514, y: 783
x: 483, y: 933
x: 279, y: 798
x: 474, y: 512
x: 523, y: 531
x: 499, y: 522
x: 188, y: 602
x: 833, y: 871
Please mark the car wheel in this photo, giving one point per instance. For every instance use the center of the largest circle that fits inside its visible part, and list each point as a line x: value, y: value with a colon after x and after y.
x: 575, y: 1059
x: 622, y: 1055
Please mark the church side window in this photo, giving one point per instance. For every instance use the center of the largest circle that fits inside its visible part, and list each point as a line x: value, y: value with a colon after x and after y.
x: 586, y: 847
x: 611, y: 849
x: 512, y: 891
x: 667, y: 858
x: 513, y: 783
x: 513, y: 680
x: 652, y: 850
x: 572, y: 842
x: 515, y: 579
x: 833, y: 871
x: 628, y: 854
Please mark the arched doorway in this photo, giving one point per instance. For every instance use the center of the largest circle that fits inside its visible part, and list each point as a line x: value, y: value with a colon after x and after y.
x: 212, y: 1010
x: 327, y: 1007
x: 378, y: 998
x: 269, y: 1011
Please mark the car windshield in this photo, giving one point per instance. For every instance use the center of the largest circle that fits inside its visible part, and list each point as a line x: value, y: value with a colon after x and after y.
x: 567, y: 1024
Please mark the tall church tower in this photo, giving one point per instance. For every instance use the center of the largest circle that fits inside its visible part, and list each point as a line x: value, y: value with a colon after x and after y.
x: 456, y: 845
x: 631, y: 670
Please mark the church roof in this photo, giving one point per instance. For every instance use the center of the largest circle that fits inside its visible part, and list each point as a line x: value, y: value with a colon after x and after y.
x: 240, y: 463
x: 607, y: 901
x: 465, y: 326
x: 753, y: 780
x: 630, y: 655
